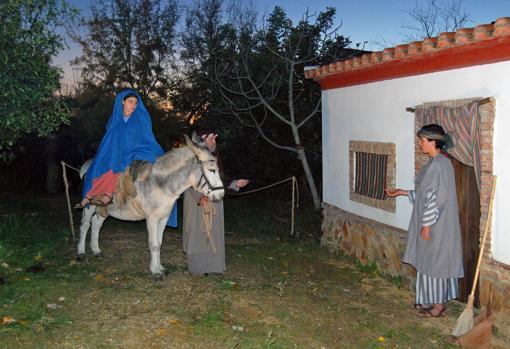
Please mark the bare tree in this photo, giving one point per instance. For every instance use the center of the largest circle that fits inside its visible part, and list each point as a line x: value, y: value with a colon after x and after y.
x: 263, y: 83
x: 435, y: 17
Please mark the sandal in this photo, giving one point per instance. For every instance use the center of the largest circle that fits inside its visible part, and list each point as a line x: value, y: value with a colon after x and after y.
x: 95, y: 201
x: 429, y: 313
x: 82, y: 205
x: 103, y: 202
x: 418, y: 306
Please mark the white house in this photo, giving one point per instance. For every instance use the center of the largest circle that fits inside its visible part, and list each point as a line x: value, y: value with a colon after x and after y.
x: 374, y: 104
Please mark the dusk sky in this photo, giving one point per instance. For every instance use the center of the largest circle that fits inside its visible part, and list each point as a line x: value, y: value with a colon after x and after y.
x: 374, y: 21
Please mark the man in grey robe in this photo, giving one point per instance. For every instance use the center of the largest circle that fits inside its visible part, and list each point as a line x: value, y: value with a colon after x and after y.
x: 205, y: 254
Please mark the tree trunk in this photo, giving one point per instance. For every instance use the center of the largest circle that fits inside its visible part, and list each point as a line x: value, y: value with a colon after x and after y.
x: 309, y: 178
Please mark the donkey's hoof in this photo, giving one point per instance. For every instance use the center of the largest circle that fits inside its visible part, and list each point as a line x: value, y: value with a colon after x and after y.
x: 164, y: 272
x: 99, y: 255
x: 157, y: 277
x: 81, y: 257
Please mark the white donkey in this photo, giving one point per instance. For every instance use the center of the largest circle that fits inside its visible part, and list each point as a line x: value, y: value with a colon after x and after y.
x: 171, y: 174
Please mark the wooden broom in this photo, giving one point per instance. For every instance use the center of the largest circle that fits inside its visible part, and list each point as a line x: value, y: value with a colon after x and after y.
x: 465, y: 321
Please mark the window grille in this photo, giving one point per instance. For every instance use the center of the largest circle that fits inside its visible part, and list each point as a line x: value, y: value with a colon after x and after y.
x: 370, y: 175
x: 372, y: 169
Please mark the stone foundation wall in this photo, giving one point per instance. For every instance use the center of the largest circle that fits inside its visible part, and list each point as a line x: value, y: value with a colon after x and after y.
x: 367, y: 240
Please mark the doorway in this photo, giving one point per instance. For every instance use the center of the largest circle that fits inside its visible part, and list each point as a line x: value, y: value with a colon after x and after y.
x: 469, y: 215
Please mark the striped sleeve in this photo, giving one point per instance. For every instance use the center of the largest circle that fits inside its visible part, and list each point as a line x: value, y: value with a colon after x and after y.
x: 430, y: 212
x: 411, y: 194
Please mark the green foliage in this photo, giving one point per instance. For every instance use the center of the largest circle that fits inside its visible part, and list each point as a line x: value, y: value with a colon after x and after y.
x: 369, y: 267
x: 28, y: 82
x: 211, y: 324
x: 129, y: 44
x: 27, y: 241
x: 397, y: 281
x: 206, y: 39
x: 22, y: 240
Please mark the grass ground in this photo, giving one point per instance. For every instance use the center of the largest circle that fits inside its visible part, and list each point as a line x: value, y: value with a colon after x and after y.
x: 278, y: 292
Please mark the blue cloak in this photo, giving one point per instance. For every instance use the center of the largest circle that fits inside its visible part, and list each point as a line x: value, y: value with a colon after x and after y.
x: 125, y: 141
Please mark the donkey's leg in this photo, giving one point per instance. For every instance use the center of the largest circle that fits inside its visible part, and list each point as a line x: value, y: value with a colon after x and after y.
x: 161, y: 229
x: 97, y: 223
x: 154, y: 246
x: 88, y: 212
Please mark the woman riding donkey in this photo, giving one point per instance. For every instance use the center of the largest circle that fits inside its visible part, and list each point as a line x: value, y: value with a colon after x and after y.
x: 128, y: 137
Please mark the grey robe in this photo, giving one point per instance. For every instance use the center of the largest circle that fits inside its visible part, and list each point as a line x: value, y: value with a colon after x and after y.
x: 200, y: 255
x: 440, y: 257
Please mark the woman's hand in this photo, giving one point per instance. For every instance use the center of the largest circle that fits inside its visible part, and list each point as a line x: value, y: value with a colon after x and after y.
x: 425, y: 233
x: 395, y: 192
x: 203, y: 200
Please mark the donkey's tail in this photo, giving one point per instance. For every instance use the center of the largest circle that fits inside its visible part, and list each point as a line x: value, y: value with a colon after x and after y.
x: 85, y: 167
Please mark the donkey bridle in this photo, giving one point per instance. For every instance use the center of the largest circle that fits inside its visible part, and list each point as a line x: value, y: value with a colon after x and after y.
x: 206, y: 181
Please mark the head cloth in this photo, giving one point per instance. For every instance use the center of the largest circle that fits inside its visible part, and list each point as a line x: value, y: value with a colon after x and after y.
x: 436, y: 134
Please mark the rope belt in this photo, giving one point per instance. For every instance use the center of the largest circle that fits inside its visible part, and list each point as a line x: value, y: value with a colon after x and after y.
x: 208, y: 211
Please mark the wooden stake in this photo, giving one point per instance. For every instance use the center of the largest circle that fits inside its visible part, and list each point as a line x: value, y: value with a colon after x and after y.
x: 69, y: 209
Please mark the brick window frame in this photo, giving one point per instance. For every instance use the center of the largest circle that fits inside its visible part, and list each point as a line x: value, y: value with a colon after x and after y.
x: 388, y: 149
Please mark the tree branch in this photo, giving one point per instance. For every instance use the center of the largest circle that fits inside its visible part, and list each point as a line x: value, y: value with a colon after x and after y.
x: 315, y: 110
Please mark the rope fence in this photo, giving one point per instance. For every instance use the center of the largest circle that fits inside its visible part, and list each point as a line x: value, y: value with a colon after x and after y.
x: 208, y: 209
x: 295, y: 192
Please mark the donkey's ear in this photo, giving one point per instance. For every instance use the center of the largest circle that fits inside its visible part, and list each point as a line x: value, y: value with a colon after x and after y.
x: 191, y: 144
x: 188, y: 141
x: 195, y: 138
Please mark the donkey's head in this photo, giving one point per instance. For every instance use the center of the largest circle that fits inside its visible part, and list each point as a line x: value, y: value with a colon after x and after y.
x: 209, y: 181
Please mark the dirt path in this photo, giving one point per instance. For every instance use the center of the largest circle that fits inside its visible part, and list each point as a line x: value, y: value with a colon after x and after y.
x: 276, y: 294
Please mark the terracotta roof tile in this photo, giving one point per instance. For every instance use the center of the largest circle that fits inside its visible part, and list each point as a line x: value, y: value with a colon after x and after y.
x: 483, y: 31
x: 375, y: 57
x: 502, y: 27
x: 414, y: 48
x: 446, y: 39
x: 456, y: 41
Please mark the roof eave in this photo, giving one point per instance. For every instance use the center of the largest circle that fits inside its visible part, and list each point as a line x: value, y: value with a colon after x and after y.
x: 472, y: 54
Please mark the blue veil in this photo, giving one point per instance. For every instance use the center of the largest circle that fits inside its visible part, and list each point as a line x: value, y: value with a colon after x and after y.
x: 125, y: 141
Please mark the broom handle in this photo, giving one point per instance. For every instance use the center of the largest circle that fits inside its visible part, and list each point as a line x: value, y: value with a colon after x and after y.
x: 480, y: 255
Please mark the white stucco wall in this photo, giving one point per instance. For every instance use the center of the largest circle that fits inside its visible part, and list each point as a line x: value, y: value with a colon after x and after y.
x: 376, y: 112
